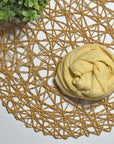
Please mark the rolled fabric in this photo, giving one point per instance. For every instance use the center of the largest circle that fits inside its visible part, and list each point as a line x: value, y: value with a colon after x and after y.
x: 87, y: 72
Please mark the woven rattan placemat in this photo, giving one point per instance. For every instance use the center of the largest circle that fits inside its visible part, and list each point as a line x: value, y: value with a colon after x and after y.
x: 29, y: 56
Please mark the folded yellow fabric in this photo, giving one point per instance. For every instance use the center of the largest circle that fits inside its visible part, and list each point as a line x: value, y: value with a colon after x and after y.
x: 87, y: 72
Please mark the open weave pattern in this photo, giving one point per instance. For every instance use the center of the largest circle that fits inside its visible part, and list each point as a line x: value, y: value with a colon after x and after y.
x: 29, y: 56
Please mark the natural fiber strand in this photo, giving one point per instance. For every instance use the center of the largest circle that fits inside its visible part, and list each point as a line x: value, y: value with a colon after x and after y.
x: 29, y: 56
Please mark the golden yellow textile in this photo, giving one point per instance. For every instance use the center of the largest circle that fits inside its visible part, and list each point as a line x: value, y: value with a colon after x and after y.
x: 87, y: 72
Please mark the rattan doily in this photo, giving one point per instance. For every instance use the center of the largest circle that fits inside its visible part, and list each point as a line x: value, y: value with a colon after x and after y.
x: 29, y: 56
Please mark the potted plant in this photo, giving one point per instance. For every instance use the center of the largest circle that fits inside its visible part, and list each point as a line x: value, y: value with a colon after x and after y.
x: 22, y: 10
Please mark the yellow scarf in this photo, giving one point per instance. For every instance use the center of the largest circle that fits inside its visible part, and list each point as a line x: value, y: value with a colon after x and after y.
x: 87, y: 72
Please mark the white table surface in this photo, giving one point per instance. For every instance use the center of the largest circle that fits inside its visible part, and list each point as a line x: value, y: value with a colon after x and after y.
x: 13, y: 131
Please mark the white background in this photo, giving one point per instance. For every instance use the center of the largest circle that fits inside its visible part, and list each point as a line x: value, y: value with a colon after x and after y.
x: 13, y: 131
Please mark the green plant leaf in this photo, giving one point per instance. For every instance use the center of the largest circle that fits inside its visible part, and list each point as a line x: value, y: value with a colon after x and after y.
x: 21, y: 9
x: 25, y: 13
x: 36, y: 7
x: 20, y: 2
x: 25, y: 19
x: 30, y: 3
x: 5, y: 1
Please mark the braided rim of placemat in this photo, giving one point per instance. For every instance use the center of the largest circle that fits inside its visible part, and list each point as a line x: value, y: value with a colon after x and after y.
x: 29, y: 56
